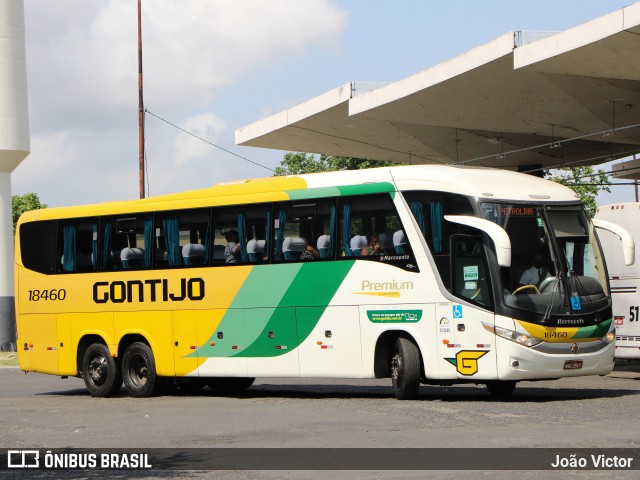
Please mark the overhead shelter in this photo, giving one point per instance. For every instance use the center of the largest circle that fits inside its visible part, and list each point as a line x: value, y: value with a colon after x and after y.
x: 523, y: 101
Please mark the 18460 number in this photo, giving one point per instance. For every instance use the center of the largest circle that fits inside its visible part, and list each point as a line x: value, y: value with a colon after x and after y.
x: 53, y: 295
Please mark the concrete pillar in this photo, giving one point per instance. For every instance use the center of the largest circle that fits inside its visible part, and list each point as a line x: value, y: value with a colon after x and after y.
x: 14, y: 147
x: 7, y: 309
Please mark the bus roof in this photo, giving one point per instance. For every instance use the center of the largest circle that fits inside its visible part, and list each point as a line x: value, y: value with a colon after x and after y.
x: 471, y: 181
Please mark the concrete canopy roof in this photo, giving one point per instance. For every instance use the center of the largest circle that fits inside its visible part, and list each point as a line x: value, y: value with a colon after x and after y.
x: 567, y: 98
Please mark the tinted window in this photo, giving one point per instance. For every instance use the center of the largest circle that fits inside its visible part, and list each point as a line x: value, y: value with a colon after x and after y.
x: 371, y: 229
x: 181, y: 238
x: 241, y: 234
x: 126, y: 242
x: 38, y: 246
x: 429, y: 209
x: 304, y: 230
x: 78, y: 245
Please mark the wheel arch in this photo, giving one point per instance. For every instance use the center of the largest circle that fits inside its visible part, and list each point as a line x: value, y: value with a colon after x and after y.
x: 84, y: 343
x: 384, y: 351
x: 130, y: 338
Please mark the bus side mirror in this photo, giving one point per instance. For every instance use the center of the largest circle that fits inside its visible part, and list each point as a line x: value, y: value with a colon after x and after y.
x: 497, y: 234
x: 628, y: 245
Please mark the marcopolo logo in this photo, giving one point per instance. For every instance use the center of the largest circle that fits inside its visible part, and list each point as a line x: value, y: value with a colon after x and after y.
x: 153, y: 290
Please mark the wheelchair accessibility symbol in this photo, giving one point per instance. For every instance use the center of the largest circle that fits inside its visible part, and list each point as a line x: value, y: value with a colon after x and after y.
x: 457, y: 311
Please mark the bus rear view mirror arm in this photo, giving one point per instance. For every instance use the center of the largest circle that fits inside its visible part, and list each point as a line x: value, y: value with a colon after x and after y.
x: 497, y: 234
x: 628, y: 245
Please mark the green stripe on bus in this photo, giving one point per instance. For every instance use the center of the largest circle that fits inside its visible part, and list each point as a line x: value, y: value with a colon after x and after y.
x: 276, y: 309
x: 345, y: 190
x: 300, y: 309
x: 594, y: 331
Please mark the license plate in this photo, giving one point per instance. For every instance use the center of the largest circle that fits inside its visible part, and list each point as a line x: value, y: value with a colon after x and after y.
x: 572, y: 364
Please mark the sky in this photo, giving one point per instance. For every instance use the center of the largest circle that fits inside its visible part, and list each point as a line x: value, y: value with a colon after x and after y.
x: 212, y: 66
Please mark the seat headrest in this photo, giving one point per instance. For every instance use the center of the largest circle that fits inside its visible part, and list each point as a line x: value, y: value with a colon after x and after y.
x: 255, y: 246
x: 324, y: 241
x: 294, y: 244
x: 131, y: 253
x: 193, y: 250
x: 359, y: 241
x: 399, y: 238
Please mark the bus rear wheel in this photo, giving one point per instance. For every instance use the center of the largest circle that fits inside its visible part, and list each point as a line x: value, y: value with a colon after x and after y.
x: 405, y: 370
x: 139, y: 371
x: 229, y: 384
x: 100, y: 371
x: 501, y: 388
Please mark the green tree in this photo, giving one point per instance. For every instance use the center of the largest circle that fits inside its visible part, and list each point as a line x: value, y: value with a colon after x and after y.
x: 585, y: 182
x: 297, y: 163
x: 24, y: 203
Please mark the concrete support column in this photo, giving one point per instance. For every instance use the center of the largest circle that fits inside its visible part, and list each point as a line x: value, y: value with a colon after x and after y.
x: 14, y: 147
x: 7, y: 306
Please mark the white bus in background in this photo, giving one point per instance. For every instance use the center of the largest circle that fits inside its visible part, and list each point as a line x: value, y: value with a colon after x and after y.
x: 624, y: 279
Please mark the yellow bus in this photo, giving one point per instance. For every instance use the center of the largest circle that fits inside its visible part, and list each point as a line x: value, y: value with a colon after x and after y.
x: 421, y: 274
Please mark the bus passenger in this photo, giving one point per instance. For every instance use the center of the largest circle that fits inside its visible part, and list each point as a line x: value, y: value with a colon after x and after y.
x: 373, y: 246
x: 232, y: 251
x: 310, y: 252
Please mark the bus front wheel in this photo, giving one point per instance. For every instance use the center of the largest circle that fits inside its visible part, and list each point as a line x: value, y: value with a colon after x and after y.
x: 501, y: 388
x: 100, y: 371
x: 405, y: 370
x: 139, y: 371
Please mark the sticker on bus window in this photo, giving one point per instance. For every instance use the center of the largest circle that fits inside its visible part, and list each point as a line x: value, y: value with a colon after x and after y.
x: 575, y: 302
x: 470, y: 272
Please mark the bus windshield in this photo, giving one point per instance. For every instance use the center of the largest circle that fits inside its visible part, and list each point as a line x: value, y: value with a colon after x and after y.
x: 557, y: 266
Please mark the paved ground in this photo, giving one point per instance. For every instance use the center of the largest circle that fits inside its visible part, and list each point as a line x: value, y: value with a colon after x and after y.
x: 40, y: 411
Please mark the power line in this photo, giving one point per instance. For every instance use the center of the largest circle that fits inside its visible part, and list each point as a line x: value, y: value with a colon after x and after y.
x: 207, y: 141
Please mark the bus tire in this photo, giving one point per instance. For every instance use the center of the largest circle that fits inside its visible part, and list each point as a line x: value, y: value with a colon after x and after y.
x: 501, y: 388
x: 405, y: 370
x: 100, y: 371
x: 229, y: 384
x: 139, y: 371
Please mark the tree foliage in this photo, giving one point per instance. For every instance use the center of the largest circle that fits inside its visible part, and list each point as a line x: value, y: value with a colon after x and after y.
x: 585, y: 182
x: 24, y: 203
x: 297, y: 163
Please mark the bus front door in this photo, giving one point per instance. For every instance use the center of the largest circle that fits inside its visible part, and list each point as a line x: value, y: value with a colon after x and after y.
x: 475, y: 349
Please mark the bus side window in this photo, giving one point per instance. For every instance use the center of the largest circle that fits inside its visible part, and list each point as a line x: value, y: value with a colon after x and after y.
x: 304, y: 230
x: 126, y: 242
x: 370, y: 226
x: 78, y: 246
x: 241, y: 235
x: 182, y: 239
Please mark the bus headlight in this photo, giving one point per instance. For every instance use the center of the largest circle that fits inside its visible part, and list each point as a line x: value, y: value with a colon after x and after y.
x: 521, y: 338
x: 609, y: 337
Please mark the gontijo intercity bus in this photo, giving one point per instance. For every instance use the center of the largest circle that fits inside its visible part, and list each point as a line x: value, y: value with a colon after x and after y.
x: 411, y: 273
